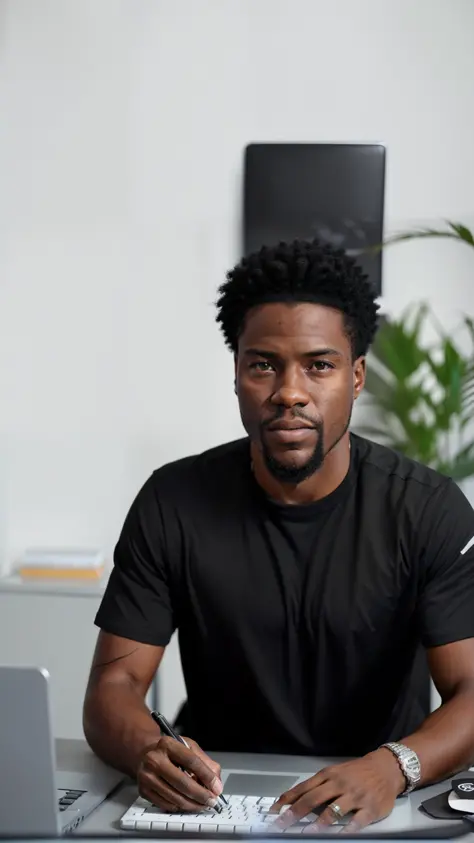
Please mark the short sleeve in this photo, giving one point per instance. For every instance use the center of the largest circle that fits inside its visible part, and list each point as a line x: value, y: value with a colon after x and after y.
x: 137, y: 602
x: 446, y: 596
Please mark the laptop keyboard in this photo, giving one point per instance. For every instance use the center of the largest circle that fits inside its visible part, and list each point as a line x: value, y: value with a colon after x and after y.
x: 68, y: 797
x: 244, y: 814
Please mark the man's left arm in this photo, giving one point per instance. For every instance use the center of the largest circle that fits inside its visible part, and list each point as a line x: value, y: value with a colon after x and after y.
x: 445, y: 741
x: 367, y: 787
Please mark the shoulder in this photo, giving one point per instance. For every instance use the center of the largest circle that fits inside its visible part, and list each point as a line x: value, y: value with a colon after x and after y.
x: 383, y: 467
x: 428, y: 505
x: 191, y: 487
x: 213, y: 468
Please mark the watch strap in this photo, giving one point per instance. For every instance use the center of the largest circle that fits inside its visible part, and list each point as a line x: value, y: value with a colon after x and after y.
x: 409, y: 764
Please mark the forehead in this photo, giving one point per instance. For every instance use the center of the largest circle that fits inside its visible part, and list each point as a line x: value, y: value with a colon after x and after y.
x: 298, y: 325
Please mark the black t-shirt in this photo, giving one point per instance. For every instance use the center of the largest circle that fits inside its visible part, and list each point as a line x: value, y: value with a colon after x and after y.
x: 301, y: 628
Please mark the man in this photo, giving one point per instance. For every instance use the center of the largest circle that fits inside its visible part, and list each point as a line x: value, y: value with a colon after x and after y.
x: 306, y: 569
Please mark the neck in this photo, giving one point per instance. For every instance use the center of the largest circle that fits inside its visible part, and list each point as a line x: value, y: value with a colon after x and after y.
x: 319, y: 485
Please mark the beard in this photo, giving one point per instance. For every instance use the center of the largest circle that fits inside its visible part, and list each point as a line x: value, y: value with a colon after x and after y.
x: 296, y: 473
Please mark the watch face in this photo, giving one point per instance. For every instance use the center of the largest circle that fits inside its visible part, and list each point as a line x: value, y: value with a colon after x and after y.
x: 413, y: 764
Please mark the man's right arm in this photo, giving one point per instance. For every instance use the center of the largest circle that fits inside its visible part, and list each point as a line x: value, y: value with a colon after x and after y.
x: 120, y: 730
x: 116, y: 719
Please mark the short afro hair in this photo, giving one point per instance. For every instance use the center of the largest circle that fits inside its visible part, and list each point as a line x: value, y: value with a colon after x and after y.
x: 301, y: 271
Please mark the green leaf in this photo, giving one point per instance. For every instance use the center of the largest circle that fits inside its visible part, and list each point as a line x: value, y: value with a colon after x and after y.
x: 462, y: 232
x: 420, y: 234
x: 456, y: 231
x: 401, y: 412
x: 397, y: 345
x: 469, y: 324
x: 449, y: 374
x: 458, y: 468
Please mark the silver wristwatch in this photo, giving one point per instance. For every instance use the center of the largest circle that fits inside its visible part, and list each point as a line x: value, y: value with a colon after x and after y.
x: 409, y: 764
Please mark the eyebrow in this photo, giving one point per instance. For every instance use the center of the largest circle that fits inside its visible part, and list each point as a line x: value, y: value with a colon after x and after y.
x: 272, y: 355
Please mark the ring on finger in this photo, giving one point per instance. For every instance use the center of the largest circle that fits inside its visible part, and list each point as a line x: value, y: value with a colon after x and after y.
x: 336, y: 810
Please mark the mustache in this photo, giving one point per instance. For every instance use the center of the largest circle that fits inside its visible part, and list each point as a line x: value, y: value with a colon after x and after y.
x: 295, y: 414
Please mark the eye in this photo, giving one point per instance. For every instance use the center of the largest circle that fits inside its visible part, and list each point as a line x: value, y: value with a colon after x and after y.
x: 321, y: 365
x: 261, y: 366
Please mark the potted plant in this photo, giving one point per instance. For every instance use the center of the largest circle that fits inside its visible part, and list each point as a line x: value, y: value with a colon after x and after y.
x: 420, y: 397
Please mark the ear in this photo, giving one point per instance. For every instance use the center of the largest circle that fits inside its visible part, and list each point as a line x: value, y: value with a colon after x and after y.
x: 359, y: 370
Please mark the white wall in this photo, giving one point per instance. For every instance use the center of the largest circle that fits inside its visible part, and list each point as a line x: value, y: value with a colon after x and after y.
x: 123, y: 128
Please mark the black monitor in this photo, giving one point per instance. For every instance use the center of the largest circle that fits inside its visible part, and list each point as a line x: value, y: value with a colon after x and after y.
x: 334, y: 191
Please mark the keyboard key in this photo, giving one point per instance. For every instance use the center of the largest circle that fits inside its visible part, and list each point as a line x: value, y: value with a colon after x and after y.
x: 143, y: 825
x: 252, y: 800
x: 223, y: 828
x: 243, y: 829
x: 212, y: 828
x: 174, y: 826
x: 191, y: 827
x: 128, y: 823
x: 158, y: 826
x: 266, y: 800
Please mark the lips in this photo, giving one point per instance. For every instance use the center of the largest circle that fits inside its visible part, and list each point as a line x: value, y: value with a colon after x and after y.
x: 294, y: 425
x: 289, y: 432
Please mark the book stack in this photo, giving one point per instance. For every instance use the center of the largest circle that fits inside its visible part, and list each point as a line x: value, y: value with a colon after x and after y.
x: 61, y: 563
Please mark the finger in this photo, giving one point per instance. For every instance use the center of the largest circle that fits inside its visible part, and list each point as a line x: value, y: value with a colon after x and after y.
x: 292, y: 795
x: 214, y: 766
x: 158, y: 801
x: 183, y: 756
x: 360, y: 820
x: 183, y: 784
x: 307, y: 803
x: 331, y: 816
x: 159, y: 792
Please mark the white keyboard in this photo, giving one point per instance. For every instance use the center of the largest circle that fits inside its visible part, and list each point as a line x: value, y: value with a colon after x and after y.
x: 243, y: 815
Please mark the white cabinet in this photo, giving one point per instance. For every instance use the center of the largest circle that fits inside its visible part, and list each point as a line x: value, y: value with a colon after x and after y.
x: 55, y: 631
x: 52, y: 626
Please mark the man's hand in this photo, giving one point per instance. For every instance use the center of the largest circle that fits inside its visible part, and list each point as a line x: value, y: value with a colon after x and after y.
x: 366, y: 787
x: 162, y: 782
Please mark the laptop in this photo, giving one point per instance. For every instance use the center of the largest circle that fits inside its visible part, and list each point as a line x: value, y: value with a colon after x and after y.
x: 36, y: 798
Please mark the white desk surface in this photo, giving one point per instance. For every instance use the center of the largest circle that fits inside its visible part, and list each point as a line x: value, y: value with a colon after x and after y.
x: 76, y: 755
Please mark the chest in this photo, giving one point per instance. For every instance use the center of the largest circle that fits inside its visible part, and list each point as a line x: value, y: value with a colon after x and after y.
x: 334, y: 580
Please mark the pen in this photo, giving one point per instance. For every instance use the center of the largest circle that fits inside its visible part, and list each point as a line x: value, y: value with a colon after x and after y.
x: 165, y: 727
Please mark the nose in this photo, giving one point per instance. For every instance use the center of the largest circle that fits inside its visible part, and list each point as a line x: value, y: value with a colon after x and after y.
x: 291, y: 390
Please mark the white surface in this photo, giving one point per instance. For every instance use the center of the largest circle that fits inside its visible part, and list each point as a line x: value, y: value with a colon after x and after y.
x: 123, y: 128
x: 62, y: 557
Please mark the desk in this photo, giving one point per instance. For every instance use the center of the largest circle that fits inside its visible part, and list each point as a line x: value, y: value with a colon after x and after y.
x: 76, y: 755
